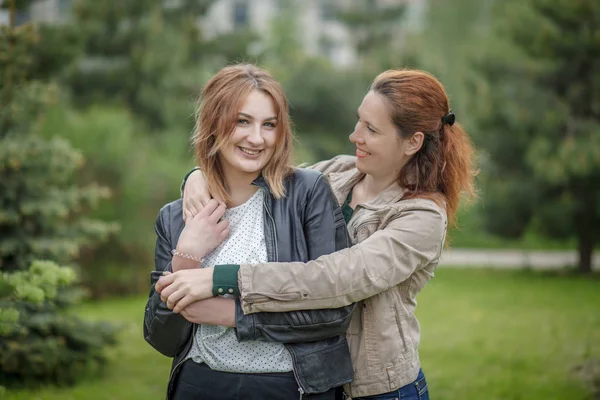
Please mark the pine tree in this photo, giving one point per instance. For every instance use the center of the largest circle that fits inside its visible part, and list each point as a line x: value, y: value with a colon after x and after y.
x: 41, y: 218
x: 140, y: 54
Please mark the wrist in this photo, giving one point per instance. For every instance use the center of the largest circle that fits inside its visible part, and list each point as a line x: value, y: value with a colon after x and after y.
x: 190, y: 252
x: 182, y: 260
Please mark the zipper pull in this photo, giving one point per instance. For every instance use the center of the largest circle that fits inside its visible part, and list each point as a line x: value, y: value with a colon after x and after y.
x: 301, y: 392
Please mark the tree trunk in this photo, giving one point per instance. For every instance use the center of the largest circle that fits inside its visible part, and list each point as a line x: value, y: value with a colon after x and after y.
x: 585, y: 248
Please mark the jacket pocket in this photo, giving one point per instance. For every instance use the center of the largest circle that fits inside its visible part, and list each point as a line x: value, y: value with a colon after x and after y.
x: 405, y: 340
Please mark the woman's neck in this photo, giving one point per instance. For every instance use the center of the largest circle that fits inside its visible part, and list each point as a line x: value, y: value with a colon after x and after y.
x: 240, y: 187
x: 370, y: 187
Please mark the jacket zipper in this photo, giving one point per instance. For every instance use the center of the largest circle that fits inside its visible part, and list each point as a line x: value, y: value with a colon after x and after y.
x: 300, y: 389
x: 272, y: 222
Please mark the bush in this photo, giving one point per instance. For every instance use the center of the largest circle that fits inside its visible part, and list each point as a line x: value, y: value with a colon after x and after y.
x: 41, y: 342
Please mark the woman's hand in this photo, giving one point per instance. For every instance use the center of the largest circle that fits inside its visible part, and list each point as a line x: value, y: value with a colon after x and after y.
x: 182, y: 288
x: 201, y: 235
x: 195, y: 195
x: 213, y: 311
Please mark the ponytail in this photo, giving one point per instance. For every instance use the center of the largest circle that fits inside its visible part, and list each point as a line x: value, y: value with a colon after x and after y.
x: 457, y: 170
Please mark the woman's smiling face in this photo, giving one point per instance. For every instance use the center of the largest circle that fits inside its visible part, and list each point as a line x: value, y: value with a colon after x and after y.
x: 252, y: 144
x: 380, y: 149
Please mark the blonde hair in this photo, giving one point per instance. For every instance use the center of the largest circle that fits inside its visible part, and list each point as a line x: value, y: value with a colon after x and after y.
x: 216, y: 118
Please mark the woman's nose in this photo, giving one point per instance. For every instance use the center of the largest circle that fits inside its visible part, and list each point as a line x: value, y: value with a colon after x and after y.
x: 256, y: 137
x: 355, y: 137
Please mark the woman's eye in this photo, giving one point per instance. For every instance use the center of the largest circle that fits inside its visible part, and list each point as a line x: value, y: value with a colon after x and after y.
x: 242, y: 121
x: 370, y: 129
x: 270, y: 124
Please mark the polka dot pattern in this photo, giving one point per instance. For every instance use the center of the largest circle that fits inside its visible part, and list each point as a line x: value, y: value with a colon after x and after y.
x: 218, y: 346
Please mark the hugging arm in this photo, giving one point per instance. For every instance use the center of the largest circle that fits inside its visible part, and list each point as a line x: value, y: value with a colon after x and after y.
x: 388, y: 257
x: 325, y: 232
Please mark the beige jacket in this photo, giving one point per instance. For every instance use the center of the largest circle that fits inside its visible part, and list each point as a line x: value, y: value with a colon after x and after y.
x: 397, y: 245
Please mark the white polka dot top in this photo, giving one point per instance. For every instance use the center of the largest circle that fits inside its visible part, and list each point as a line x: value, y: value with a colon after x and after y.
x: 218, y: 346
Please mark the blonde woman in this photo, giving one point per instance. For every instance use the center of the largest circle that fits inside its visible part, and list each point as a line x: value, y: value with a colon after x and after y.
x: 274, y: 213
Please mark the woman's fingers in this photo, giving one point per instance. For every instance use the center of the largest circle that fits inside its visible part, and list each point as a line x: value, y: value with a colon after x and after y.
x: 217, y: 213
x: 164, y: 281
x: 208, y: 209
x: 174, y: 298
x: 182, y: 303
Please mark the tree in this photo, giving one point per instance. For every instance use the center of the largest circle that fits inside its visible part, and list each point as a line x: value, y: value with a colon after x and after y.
x: 42, y: 216
x: 541, y: 126
x: 376, y: 30
x: 142, y: 55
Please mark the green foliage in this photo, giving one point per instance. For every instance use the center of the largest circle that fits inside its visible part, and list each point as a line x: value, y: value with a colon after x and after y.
x: 38, y: 341
x: 376, y: 30
x: 541, y: 127
x: 142, y: 55
x: 42, y: 216
x: 142, y: 174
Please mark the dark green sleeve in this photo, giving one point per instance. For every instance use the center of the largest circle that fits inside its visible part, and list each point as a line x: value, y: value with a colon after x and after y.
x: 225, y: 280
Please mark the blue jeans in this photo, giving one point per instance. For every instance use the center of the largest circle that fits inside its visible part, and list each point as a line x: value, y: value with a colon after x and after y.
x: 416, y: 390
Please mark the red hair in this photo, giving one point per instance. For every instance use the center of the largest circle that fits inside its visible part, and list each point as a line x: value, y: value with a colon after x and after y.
x: 216, y: 117
x: 443, y: 168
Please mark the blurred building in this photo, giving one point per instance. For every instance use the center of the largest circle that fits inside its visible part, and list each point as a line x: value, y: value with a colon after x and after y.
x: 49, y: 11
x: 321, y: 33
x: 319, y: 30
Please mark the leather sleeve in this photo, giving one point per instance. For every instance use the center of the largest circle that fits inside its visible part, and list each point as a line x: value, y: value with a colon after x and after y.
x: 166, y: 331
x: 325, y: 232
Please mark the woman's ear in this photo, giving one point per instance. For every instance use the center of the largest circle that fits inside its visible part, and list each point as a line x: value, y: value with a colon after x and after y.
x: 414, y: 143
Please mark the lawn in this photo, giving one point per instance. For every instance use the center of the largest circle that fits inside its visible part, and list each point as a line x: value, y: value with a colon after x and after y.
x: 486, y: 334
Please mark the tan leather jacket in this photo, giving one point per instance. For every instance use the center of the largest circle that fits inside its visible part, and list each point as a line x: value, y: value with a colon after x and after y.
x: 396, y: 247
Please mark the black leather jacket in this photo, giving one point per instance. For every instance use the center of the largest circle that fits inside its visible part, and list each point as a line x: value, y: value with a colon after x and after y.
x: 301, y: 226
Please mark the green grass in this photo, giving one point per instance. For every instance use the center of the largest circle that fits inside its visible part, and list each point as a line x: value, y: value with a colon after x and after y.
x: 137, y: 371
x: 486, y: 335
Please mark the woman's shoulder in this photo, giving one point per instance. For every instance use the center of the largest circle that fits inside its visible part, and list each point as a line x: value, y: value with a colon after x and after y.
x: 304, y: 183
x: 432, y: 206
x: 171, y: 211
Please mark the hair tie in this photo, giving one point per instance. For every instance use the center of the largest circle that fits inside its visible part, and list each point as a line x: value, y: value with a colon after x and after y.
x: 449, y: 118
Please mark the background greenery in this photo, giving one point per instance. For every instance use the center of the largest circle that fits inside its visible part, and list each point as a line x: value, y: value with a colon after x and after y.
x: 107, y: 97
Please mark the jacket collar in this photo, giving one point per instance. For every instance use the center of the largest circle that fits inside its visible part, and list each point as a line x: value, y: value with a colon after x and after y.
x: 260, y: 182
x: 343, y: 182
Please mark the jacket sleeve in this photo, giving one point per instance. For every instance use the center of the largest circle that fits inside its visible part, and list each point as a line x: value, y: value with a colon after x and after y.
x: 325, y: 232
x: 166, y: 331
x: 413, y: 239
x: 336, y: 164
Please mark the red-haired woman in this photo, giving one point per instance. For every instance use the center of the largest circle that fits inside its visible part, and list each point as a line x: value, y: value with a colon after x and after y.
x: 276, y: 213
x: 397, y: 194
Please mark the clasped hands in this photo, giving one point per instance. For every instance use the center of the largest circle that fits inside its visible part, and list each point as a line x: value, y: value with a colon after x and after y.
x: 189, y: 293
x: 182, y: 288
x: 188, y: 289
